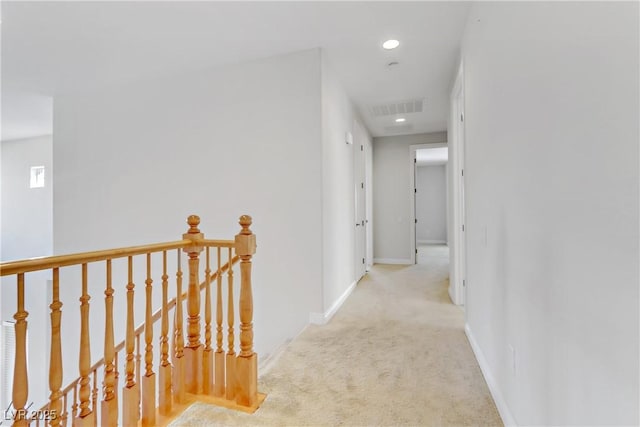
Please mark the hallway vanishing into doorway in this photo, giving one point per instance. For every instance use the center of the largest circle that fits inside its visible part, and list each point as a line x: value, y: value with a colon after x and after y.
x: 394, y: 354
x: 433, y: 254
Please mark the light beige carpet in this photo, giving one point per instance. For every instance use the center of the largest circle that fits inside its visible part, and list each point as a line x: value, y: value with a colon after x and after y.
x: 394, y: 355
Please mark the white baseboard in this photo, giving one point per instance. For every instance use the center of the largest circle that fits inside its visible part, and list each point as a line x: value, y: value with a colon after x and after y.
x: 323, y: 318
x: 269, y: 360
x: 451, y: 294
x: 401, y: 261
x: 501, y: 404
x: 432, y: 242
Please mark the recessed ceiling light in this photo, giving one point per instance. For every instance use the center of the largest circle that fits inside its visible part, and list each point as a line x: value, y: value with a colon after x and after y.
x: 391, y: 44
x: 400, y: 120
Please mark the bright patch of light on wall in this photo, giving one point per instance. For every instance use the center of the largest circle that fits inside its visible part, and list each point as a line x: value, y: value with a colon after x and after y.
x: 391, y: 44
x: 37, y: 177
x: 400, y: 120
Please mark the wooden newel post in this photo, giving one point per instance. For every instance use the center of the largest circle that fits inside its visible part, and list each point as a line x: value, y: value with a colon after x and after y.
x: 247, y: 361
x: 193, y: 349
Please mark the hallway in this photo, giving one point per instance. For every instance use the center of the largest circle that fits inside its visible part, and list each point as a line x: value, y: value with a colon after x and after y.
x: 395, y: 354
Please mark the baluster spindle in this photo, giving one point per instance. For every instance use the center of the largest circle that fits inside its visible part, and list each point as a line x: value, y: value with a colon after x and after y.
x: 109, y: 409
x: 84, y: 418
x: 179, y: 369
x: 164, y: 397
x: 231, y: 354
x: 116, y: 382
x: 138, y: 363
x: 207, y: 356
x: 20, y: 375
x: 193, y: 351
x: 94, y: 398
x: 138, y: 370
x: 74, y: 407
x: 130, y: 394
x: 65, y: 409
x: 220, y: 371
x: 55, y: 360
x: 247, y: 361
x: 149, y: 380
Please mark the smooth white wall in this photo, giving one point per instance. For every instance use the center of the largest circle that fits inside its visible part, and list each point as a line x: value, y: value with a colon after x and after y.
x: 551, y: 94
x: 431, y: 204
x: 27, y: 232
x: 27, y: 218
x: 392, y: 198
x: 338, y: 192
x: 133, y: 161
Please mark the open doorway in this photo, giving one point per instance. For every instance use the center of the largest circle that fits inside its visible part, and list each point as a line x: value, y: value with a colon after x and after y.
x: 430, y: 203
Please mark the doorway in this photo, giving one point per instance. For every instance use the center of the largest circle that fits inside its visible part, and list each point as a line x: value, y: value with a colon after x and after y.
x: 413, y: 161
x: 430, y: 203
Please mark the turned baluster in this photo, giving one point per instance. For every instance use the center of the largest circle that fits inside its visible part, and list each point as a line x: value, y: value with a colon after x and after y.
x: 220, y: 359
x: 20, y: 376
x: 130, y: 403
x: 247, y: 361
x: 116, y: 382
x: 178, y: 369
x: 74, y: 407
x: 94, y: 398
x: 84, y: 363
x: 193, y: 350
x: 231, y: 354
x: 207, y: 357
x: 109, y: 409
x: 149, y: 380
x: 164, y: 397
x: 55, y: 360
x: 65, y: 410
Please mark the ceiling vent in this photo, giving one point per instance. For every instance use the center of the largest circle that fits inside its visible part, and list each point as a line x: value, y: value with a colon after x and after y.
x: 404, y: 107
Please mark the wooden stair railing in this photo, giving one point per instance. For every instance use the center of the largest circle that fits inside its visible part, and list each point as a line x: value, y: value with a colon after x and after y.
x: 153, y: 392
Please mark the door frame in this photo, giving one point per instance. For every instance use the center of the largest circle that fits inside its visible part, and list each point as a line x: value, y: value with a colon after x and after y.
x: 359, y: 149
x: 412, y: 192
x: 458, y: 241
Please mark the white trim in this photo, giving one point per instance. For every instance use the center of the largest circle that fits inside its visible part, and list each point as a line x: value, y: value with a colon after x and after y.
x: 457, y: 243
x: 401, y: 261
x: 412, y: 193
x: 269, y: 361
x: 501, y: 404
x: 432, y: 242
x: 451, y: 296
x: 323, y: 318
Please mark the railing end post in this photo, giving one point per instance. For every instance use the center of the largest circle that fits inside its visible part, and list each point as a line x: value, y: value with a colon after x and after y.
x: 245, y: 240
x: 193, y: 234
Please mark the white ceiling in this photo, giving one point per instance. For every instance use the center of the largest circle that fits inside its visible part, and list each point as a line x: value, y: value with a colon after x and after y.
x: 432, y: 156
x: 54, y: 47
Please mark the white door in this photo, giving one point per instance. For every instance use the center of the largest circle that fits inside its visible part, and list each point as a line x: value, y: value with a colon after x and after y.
x: 360, y: 220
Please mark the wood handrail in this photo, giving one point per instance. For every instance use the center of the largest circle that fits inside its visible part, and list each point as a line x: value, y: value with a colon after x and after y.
x: 45, y: 263
x: 156, y: 316
x: 191, y: 368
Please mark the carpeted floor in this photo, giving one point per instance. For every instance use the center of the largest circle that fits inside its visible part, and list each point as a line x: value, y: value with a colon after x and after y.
x: 394, y: 355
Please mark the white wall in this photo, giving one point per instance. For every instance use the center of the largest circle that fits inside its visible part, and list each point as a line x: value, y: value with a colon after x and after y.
x: 27, y: 232
x: 338, y: 207
x: 132, y: 162
x: 431, y: 204
x: 551, y: 94
x: 27, y: 221
x: 392, y: 198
